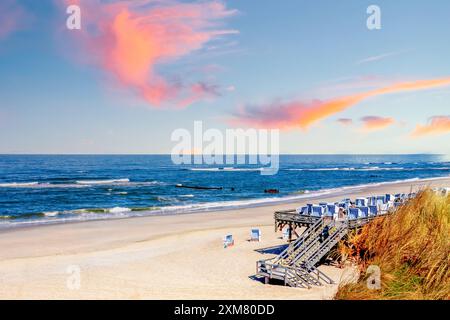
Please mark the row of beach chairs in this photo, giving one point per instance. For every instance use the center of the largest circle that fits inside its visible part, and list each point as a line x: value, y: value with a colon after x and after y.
x: 360, y: 208
x: 255, y: 235
x: 442, y: 191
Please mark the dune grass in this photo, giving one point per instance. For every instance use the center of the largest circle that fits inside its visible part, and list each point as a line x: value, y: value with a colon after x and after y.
x: 411, y: 247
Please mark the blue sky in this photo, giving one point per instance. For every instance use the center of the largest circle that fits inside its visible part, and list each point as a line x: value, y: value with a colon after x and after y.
x: 56, y: 96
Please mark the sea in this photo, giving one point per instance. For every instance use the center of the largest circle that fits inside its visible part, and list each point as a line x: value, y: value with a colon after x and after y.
x: 44, y: 189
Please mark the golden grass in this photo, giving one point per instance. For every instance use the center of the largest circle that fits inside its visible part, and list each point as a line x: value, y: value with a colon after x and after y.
x: 411, y: 247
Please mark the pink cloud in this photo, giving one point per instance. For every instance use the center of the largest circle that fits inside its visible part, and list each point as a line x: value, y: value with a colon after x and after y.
x: 12, y: 17
x: 436, y: 125
x: 374, y: 123
x: 298, y: 113
x: 132, y: 40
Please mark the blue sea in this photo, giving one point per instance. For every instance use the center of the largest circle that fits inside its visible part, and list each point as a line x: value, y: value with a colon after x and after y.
x: 37, y: 189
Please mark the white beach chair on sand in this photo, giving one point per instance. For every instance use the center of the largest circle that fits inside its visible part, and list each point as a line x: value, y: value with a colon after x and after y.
x: 228, y: 241
x: 255, y: 234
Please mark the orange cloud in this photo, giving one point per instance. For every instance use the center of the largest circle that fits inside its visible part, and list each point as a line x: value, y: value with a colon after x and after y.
x: 304, y: 114
x: 133, y: 40
x: 12, y: 17
x: 436, y: 125
x: 374, y: 123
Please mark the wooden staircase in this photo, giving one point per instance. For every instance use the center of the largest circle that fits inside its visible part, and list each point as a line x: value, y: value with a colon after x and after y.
x: 296, y: 265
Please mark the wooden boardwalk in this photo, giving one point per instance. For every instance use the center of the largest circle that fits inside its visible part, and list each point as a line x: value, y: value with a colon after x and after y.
x: 294, y: 220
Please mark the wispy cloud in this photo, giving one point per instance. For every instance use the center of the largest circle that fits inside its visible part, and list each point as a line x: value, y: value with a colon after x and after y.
x: 132, y: 40
x: 345, y: 121
x: 12, y: 17
x: 378, y: 57
x: 375, y: 123
x: 436, y: 125
x: 298, y: 113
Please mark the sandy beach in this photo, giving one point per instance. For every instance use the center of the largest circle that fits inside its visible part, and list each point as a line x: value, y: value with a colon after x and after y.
x: 158, y: 257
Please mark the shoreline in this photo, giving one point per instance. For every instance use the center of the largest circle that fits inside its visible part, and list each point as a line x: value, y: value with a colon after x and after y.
x: 206, y: 207
x: 158, y: 257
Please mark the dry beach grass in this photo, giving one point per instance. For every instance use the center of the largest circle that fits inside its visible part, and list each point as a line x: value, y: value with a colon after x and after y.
x: 412, y: 249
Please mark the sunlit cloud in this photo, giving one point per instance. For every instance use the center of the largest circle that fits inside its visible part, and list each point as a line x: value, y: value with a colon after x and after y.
x: 374, y: 123
x: 133, y: 40
x: 13, y: 17
x: 436, y: 125
x: 302, y: 114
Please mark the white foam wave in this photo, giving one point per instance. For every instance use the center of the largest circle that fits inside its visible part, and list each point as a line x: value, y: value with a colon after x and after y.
x: 356, y: 169
x: 110, y: 181
x: 119, y: 210
x: 227, y: 169
x: 123, y: 212
x: 18, y: 184
x: 51, y: 213
x: 78, y: 184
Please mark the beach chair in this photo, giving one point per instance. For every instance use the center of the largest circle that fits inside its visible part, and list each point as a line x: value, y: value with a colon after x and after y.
x: 383, y: 208
x: 442, y: 191
x: 364, y: 212
x: 361, y: 202
x: 372, y: 201
x: 302, y: 210
x: 331, y: 210
x: 412, y: 195
x: 228, y: 241
x: 389, y: 197
x: 344, y: 205
x: 255, y: 234
x: 381, y: 199
x: 317, y: 211
x: 373, y: 211
x: 309, y: 205
x: 353, y: 213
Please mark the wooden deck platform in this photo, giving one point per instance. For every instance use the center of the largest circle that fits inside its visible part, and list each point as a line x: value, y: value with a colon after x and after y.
x: 294, y: 220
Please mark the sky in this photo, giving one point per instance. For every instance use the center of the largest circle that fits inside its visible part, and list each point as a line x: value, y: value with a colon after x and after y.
x: 138, y: 70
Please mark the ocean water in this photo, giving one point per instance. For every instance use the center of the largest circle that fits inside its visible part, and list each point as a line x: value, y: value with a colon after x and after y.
x: 58, y: 188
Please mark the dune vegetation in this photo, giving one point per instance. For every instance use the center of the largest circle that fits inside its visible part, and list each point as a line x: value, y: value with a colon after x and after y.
x: 411, y: 247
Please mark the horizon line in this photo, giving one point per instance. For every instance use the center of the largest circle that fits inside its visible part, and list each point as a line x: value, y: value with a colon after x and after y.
x: 168, y: 154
